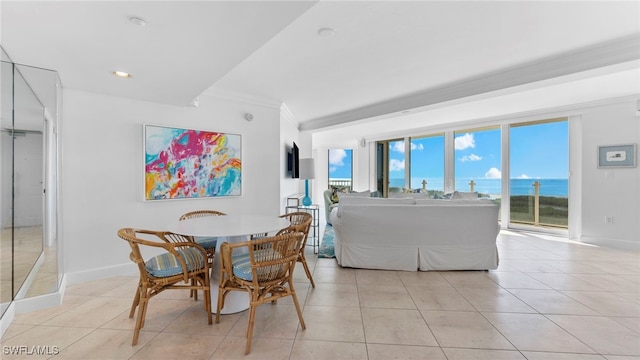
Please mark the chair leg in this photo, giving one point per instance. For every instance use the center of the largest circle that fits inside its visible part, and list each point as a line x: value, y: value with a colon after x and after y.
x: 142, y: 313
x: 306, y: 269
x: 220, y: 303
x: 297, y: 304
x: 136, y: 301
x: 206, y: 292
x: 252, y: 319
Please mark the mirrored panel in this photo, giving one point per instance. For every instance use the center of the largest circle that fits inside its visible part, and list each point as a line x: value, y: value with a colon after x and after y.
x: 28, y: 249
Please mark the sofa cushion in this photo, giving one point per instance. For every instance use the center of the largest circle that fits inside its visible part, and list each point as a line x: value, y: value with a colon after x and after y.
x: 354, y: 194
x: 431, y: 202
x: 377, y: 201
x: 412, y: 195
x: 353, y: 200
x: 464, y: 195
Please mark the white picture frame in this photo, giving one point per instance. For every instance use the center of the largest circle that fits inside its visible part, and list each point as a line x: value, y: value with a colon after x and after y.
x: 617, y: 156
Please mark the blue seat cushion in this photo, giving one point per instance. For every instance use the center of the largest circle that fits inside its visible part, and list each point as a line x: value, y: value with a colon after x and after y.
x: 167, y: 264
x: 241, y: 264
x: 207, y: 242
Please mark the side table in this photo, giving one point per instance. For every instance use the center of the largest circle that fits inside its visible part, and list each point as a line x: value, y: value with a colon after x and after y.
x: 314, y: 231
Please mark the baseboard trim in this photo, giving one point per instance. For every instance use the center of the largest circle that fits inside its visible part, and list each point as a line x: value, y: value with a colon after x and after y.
x: 41, y: 302
x: 127, y: 269
x: 33, y: 303
x: 619, y: 244
x: 6, y: 319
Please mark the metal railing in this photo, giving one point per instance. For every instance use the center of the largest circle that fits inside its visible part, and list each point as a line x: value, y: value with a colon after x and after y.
x: 554, y: 209
x: 340, y: 182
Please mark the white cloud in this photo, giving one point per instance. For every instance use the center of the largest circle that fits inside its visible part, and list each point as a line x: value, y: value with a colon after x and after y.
x: 332, y: 169
x: 465, y: 141
x: 524, y: 176
x: 493, y: 173
x: 472, y: 157
x: 398, y: 146
x: 336, y: 157
x: 396, y: 165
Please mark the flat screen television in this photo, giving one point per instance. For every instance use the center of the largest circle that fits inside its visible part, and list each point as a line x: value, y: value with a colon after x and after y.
x: 293, y: 161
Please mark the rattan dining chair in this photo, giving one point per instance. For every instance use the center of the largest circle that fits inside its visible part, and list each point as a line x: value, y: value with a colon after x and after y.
x: 302, y: 222
x: 263, y: 268
x: 208, y: 243
x: 181, y: 260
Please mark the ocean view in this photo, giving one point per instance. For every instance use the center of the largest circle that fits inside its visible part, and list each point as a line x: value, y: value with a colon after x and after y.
x: 549, y: 187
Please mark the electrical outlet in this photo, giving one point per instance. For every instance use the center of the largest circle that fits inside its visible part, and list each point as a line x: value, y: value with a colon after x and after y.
x: 608, y: 219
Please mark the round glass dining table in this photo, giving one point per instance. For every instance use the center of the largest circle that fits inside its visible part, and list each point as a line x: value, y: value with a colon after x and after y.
x: 232, y: 229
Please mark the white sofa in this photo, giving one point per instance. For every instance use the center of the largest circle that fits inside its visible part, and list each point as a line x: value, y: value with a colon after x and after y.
x: 416, y: 234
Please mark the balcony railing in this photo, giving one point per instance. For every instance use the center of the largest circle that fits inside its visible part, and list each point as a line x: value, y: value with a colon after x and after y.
x: 341, y: 182
x: 536, y: 209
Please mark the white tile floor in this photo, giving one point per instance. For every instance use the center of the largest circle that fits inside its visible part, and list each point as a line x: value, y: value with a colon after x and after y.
x: 549, y: 299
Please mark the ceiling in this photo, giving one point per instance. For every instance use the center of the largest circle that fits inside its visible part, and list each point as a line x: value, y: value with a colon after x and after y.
x: 389, y: 66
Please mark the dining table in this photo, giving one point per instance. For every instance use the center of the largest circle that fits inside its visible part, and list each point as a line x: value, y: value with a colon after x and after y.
x: 231, y: 228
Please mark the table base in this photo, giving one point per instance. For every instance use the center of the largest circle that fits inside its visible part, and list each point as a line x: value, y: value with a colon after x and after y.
x: 234, y: 303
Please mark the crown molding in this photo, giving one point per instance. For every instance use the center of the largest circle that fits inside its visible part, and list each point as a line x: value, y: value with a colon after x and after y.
x: 618, y: 51
x: 538, y: 114
x: 287, y: 115
x: 243, y: 98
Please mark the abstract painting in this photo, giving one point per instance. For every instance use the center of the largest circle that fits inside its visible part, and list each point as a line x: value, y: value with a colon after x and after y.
x: 184, y: 164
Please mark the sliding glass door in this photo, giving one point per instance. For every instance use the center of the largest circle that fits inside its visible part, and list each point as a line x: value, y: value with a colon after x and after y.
x: 390, y: 162
x: 471, y: 159
x: 478, y: 157
x: 427, y: 164
x: 539, y: 168
x: 396, y: 163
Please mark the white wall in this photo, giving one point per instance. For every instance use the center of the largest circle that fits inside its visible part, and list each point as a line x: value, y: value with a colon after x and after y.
x: 288, y: 135
x: 598, y: 196
x: 102, y: 172
x: 610, y: 192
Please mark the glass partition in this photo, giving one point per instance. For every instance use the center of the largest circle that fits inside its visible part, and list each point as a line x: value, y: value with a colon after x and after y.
x: 28, y: 241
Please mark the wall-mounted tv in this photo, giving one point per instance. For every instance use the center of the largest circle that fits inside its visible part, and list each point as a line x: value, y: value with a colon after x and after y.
x: 293, y: 161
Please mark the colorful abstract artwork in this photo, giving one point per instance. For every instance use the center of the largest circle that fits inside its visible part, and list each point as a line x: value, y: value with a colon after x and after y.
x: 183, y: 163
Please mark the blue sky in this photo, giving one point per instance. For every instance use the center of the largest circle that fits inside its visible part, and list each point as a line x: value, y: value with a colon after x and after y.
x: 537, y: 152
x: 340, y: 163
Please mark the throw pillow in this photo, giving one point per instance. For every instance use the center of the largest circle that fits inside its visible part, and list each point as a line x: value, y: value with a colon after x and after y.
x: 335, y: 189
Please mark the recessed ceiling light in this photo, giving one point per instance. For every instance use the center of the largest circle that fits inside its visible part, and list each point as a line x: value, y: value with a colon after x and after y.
x: 138, y: 21
x: 326, y: 32
x: 121, y: 74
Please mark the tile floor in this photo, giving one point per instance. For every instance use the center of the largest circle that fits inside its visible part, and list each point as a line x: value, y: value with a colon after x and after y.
x: 549, y: 299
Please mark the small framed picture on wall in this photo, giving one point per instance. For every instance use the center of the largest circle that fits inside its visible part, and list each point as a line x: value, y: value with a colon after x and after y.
x: 611, y: 156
